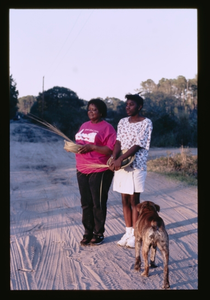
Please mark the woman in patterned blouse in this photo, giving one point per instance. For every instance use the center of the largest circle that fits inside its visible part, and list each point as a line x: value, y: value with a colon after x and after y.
x: 134, y: 135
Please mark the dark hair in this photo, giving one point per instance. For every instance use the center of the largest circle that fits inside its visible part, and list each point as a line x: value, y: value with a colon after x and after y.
x: 101, y: 106
x: 138, y: 99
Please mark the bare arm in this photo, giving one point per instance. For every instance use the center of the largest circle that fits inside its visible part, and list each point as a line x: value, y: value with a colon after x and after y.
x: 130, y: 152
x: 117, y: 149
x: 100, y: 149
x: 116, y: 163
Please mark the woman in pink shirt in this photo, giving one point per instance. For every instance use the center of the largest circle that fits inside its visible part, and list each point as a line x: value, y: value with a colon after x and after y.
x: 97, y: 138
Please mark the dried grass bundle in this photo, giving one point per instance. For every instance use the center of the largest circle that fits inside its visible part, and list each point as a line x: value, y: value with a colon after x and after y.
x: 91, y: 168
x: 94, y: 167
x: 69, y: 145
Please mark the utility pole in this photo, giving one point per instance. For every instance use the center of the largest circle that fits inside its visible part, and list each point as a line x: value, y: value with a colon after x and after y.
x: 42, y: 97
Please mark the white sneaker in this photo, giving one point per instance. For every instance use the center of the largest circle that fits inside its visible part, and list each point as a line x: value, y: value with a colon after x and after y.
x: 131, y: 242
x: 123, y: 240
x: 125, y: 237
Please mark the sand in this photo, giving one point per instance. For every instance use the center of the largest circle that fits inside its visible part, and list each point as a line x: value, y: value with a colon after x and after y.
x: 46, y: 227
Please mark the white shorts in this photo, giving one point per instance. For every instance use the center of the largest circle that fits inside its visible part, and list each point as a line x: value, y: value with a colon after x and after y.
x: 129, y: 181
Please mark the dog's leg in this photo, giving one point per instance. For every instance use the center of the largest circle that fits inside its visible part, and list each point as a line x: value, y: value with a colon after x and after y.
x: 152, y: 256
x: 137, y: 265
x: 164, y: 248
x: 145, y: 257
x: 165, y: 253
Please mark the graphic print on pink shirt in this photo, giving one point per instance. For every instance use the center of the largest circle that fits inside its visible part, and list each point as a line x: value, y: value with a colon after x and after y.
x: 88, y: 137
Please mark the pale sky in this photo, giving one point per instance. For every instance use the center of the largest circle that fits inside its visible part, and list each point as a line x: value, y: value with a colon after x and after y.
x: 100, y: 52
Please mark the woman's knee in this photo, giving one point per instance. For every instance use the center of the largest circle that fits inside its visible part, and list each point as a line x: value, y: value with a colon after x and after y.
x: 130, y: 200
x: 125, y: 200
x: 135, y: 199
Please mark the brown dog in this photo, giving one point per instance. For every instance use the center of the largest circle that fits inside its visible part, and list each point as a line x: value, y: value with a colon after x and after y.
x: 150, y: 231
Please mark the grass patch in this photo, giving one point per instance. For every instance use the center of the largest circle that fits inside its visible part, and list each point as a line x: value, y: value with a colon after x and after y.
x: 181, y: 166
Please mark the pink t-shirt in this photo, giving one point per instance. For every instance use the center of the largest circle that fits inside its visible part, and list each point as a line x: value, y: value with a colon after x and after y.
x: 100, y: 134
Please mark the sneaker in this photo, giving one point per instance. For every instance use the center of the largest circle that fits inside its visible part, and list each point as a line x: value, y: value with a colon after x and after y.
x: 123, y: 240
x: 131, y: 242
x: 85, y: 241
x: 97, y: 239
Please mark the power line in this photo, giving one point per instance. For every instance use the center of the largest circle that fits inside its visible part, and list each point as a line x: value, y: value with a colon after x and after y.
x: 65, y: 41
x: 72, y: 43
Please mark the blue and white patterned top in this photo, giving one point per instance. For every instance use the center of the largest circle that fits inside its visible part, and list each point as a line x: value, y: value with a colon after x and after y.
x: 139, y: 133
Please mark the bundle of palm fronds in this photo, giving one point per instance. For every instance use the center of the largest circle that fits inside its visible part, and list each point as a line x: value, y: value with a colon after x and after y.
x: 94, y: 166
x: 69, y: 145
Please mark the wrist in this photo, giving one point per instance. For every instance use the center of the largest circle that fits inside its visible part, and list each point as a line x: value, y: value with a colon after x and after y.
x: 114, y: 156
x: 120, y: 158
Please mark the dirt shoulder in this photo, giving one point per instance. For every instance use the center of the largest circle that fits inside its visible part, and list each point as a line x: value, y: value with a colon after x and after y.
x: 46, y: 227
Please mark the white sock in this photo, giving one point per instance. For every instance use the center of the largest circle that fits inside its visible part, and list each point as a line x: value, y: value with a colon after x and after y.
x: 128, y: 230
x: 132, y: 232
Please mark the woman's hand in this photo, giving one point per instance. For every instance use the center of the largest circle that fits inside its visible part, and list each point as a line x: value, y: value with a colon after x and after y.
x: 86, y: 148
x: 100, y: 149
x: 115, y: 165
x: 111, y: 165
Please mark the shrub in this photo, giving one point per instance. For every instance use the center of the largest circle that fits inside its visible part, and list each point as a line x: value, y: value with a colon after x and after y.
x: 182, y: 166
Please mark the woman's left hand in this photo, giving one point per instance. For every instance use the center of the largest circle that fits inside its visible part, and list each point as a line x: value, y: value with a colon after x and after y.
x: 115, y: 165
x: 86, y: 148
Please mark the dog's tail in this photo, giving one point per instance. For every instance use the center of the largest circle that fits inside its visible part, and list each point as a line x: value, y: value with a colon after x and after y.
x: 154, y: 229
x: 154, y: 225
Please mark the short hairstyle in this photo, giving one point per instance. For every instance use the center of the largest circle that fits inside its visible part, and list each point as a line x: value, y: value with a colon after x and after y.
x: 138, y: 99
x: 101, y: 106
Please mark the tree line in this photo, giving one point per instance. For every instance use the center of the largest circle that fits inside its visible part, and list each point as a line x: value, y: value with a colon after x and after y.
x: 13, y: 98
x: 171, y: 104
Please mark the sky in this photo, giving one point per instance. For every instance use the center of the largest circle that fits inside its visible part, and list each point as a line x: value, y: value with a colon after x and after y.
x: 100, y: 52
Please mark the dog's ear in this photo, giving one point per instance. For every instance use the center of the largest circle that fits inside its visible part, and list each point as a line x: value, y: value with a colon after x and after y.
x: 138, y: 206
x: 157, y: 207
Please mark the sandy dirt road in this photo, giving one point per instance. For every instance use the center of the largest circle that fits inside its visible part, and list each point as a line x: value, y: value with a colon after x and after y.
x: 46, y: 228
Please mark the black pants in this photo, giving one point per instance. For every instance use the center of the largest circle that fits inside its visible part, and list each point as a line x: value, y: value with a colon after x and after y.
x: 94, y: 189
